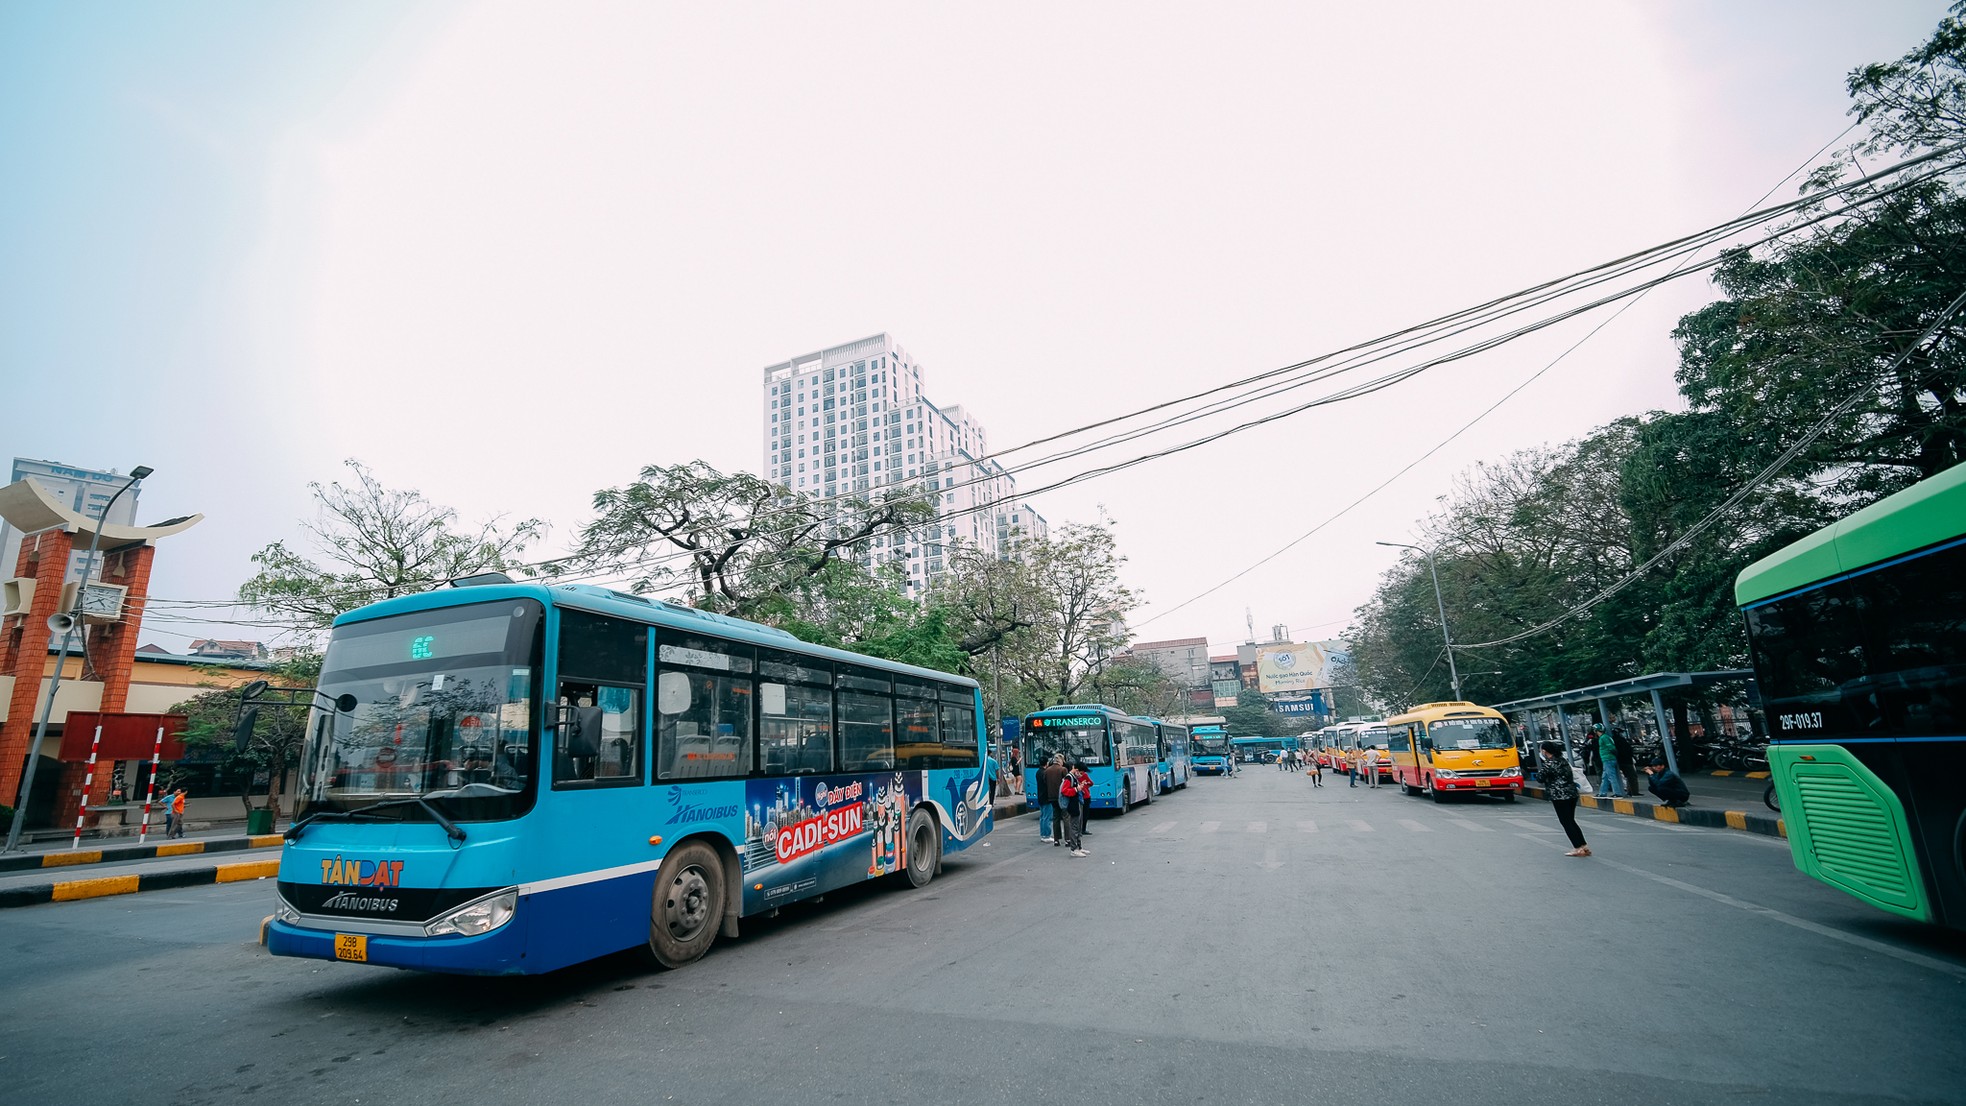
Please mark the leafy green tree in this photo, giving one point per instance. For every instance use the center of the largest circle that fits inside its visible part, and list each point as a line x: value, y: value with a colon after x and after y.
x: 376, y: 543
x: 737, y: 542
x: 277, y: 735
x: 1051, y: 615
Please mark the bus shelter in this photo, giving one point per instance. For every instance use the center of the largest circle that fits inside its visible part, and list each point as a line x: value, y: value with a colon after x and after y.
x: 1655, y: 686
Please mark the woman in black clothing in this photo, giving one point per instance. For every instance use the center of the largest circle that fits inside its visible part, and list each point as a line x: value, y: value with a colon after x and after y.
x: 1561, y: 790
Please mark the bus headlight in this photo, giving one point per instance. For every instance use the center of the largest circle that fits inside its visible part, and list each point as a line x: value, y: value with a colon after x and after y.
x: 1446, y: 774
x: 476, y: 917
x: 1511, y: 773
x: 284, y: 913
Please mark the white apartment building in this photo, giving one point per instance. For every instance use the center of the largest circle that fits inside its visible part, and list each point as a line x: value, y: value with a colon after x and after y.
x: 852, y: 419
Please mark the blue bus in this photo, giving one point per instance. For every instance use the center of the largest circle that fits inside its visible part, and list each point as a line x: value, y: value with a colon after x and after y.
x: 1262, y: 750
x: 1209, y: 750
x: 1120, y: 752
x: 1176, y: 762
x: 510, y: 778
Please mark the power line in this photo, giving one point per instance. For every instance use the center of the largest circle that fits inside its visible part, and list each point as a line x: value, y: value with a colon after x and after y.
x: 1490, y: 409
x: 1713, y: 516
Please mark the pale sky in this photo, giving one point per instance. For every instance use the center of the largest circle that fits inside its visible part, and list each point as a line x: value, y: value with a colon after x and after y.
x: 508, y: 254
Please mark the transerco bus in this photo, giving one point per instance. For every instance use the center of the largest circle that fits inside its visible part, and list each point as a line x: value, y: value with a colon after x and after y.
x: 1210, y: 750
x: 1858, y: 636
x: 1441, y: 749
x: 510, y: 778
x: 1120, y: 752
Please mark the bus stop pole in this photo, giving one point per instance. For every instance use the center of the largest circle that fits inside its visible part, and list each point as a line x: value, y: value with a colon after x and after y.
x: 1665, y: 731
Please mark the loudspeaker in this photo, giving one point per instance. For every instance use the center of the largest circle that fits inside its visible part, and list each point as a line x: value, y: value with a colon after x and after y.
x: 60, y: 623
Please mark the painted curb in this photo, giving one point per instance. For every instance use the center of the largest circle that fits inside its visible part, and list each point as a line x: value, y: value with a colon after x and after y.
x: 71, y: 858
x: 1747, y: 821
x: 75, y: 890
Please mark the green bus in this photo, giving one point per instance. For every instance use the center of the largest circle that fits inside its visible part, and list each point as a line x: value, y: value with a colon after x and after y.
x: 1858, y: 637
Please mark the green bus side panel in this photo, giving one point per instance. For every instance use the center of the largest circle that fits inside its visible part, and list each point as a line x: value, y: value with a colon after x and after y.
x: 1930, y: 512
x: 1847, y: 828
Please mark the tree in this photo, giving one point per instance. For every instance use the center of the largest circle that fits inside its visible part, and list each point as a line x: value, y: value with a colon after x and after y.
x: 1051, y: 615
x: 741, y: 542
x: 376, y: 543
x: 1252, y: 717
x: 275, y: 739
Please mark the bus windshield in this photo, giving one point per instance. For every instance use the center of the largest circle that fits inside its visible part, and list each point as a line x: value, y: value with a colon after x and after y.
x: 1085, y: 744
x: 1211, y: 746
x: 1469, y: 733
x: 443, y: 703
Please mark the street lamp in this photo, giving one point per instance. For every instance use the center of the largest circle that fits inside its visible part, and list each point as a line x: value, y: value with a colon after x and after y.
x: 1454, y: 674
x: 73, y: 620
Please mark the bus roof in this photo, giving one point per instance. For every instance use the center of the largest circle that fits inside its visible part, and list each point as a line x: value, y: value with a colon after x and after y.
x: 1434, y: 712
x: 1927, y: 513
x: 620, y: 604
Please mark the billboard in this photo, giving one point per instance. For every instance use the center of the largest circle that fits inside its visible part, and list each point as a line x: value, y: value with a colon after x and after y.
x: 1296, y: 666
x: 1312, y: 704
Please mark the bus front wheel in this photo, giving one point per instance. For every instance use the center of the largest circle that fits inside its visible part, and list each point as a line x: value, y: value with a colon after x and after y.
x: 689, y: 903
x: 924, y: 848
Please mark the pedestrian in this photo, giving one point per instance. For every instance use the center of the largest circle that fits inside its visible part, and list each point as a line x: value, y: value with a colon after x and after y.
x: 1351, y: 771
x: 1612, y: 784
x: 1372, y: 766
x: 1621, y: 748
x: 174, y: 814
x: 1560, y: 788
x: 1317, y: 773
x: 1074, y: 792
x: 1049, y: 779
x: 1666, y: 784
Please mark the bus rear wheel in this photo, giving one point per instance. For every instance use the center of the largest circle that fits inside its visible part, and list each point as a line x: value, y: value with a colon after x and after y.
x: 924, y: 848
x: 689, y: 903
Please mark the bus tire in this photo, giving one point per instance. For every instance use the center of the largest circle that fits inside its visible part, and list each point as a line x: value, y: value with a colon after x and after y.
x: 924, y: 848
x: 1511, y: 795
x: 688, y: 906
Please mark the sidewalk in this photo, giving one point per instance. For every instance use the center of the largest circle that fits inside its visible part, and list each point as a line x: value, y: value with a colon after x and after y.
x: 1721, y: 800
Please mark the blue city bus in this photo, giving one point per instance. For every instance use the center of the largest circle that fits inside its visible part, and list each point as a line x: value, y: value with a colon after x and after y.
x: 1176, y: 762
x: 1262, y: 750
x: 510, y: 778
x: 1120, y: 752
x: 1210, y: 751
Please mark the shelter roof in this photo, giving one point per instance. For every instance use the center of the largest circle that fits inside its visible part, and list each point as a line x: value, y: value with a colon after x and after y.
x: 1618, y: 689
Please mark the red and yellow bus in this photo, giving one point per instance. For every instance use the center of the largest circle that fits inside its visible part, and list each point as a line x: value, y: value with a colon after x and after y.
x: 1439, y: 749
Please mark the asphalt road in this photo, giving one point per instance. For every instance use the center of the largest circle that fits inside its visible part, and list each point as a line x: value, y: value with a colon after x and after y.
x: 1248, y: 940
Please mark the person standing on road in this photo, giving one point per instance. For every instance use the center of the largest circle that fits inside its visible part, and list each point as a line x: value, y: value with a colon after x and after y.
x: 1372, y: 766
x: 175, y: 815
x: 1612, y: 785
x: 1560, y: 788
x: 1316, y: 772
x: 1049, y: 777
x: 1351, y: 771
x: 1074, y: 792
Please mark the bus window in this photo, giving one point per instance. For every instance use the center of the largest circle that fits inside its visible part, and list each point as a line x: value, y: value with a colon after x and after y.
x: 795, y: 729
x: 916, y: 743
x: 866, y: 732
x: 703, y: 727
x: 958, y: 736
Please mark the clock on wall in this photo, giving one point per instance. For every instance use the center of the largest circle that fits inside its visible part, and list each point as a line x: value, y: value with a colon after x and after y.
x: 101, y: 602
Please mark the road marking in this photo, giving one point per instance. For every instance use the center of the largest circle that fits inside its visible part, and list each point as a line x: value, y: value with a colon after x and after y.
x: 1471, y: 827
x: 1525, y: 823
x: 1415, y: 826
x: 1307, y: 825
x: 1804, y: 924
x: 1270, y: 860
x: 1162, y: 828
x: 1359, y: 825
x: 1210, y: 827
x: 1257, y: 827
